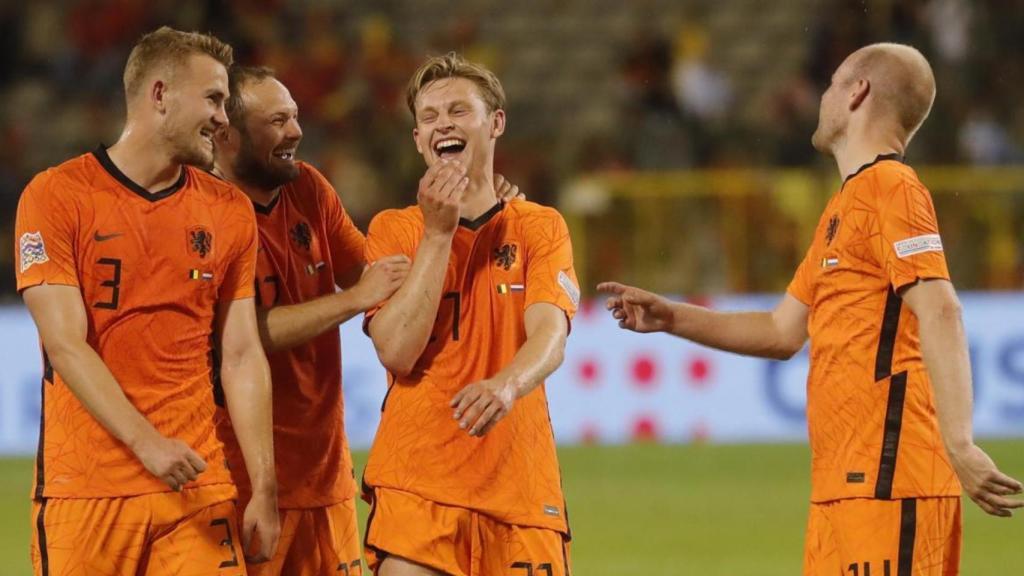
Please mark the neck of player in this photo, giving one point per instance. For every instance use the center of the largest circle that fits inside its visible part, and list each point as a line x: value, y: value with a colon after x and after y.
x: 862, y: 144
x: 259, y: 196
x: 154, y: 171
x: 479, y: 196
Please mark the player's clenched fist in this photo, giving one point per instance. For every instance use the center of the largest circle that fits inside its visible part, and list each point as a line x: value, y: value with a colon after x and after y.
x: 381, y: 279
x: 481, y: 405
x: 440, y: 194
x: 170, y: 460
x: 638, y: 310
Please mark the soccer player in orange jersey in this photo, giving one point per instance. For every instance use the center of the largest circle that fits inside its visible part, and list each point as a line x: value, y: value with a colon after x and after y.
x: 308, y: 246
x: 131, y: 261
x: 463, y: 477
x: 889, y: 390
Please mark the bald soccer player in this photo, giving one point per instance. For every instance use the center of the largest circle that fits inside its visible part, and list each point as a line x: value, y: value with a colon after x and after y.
x: 132, y: 262
x: 889, y: 390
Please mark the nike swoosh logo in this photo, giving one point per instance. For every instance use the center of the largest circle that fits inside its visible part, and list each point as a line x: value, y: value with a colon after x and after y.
x: 103, y: 238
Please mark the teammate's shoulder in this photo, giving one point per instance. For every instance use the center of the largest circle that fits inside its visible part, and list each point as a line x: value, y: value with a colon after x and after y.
x: 80, y: 170
x: 408, y: 216
x: 528, y: 211
x: 217, y: 187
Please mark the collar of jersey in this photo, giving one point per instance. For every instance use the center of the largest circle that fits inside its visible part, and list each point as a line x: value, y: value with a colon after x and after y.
x: 268, y: 208
x: 484, y: 218
x: 108, y: 165
x: 881, y: 157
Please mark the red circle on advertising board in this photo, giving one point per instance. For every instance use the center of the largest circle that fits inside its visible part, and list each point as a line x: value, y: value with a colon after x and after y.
x: 644, y: 371
x: 645, y: 429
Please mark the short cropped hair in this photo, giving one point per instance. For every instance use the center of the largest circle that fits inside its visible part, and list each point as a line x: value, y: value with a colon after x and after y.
x: 169, y: 46
x: 239, y: 76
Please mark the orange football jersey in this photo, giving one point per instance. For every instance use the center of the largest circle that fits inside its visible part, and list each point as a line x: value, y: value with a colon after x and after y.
x: 515, y: 255
x: 870, y: 408
x: 152, y: 269
x: 307, y: 244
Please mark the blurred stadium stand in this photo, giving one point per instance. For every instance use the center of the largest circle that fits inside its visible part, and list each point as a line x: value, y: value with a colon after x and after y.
x: 675, y: 136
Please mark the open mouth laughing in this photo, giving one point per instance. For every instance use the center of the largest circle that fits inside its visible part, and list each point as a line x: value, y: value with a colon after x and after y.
x: 449, y: 147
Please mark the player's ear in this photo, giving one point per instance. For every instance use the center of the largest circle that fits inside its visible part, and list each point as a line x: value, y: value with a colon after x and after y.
x: 158, y: 95
x: 498, y: 123
x: 416, y: 139
x: 860, y: 91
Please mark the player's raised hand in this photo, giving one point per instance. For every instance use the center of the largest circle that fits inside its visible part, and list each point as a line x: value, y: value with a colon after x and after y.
x: 985, y: 484
x: 169, y: 459
x: 505, y: 190
x: 440, y: 193
x: 261, y: 520
x: 381, y: 279
x: 481, y: 405
x: 638, y: 310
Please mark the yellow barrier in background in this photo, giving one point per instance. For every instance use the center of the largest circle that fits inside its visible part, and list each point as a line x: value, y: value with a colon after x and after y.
x: 746, y: 230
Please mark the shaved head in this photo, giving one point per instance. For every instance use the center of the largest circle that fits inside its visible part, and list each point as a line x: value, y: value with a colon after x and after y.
x: 888, y: 85
x: 901, y: 81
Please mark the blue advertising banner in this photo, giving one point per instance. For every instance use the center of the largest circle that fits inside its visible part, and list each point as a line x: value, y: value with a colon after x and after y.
x: 617, y: 387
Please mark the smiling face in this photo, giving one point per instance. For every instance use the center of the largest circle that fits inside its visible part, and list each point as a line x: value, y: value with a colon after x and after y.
x: 453, y: 122
x: 269, y: 135
x: 194, y: 97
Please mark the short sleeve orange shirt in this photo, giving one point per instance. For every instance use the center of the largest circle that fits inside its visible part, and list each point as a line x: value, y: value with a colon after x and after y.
x: 870, y: 407
x: 515, y: 255
x: 307, y: 244
x: 151, y: 269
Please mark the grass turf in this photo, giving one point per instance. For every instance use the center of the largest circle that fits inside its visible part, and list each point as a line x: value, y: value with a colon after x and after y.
x: 649, y: 509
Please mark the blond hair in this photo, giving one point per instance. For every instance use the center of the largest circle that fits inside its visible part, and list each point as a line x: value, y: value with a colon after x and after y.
x: 451, y: 65
x: 169, y: 46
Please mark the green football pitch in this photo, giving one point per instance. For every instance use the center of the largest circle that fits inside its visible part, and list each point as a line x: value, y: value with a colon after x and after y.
x: 653, y: 510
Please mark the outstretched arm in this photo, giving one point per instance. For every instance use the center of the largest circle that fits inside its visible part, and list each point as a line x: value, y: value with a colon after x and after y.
x: 778, y: 334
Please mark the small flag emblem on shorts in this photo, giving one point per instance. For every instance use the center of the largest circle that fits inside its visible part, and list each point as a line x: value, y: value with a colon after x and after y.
x: 829, y: 262
x: 552, y: 510
x: 194, y: 274
x: 506, y: 288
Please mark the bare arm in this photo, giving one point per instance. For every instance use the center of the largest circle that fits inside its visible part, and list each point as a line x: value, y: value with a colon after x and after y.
x: 480, y: 406
x: 778, y: 334
x: 401, y: 328
x: 944, y: 347
x: 60, y: 316
x: 245, y: 377
x: 282, y: 327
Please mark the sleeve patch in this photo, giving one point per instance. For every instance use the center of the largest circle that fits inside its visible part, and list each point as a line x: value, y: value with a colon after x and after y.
x: 32, y: 250
x: 570, y: 288
x: 918, y: 245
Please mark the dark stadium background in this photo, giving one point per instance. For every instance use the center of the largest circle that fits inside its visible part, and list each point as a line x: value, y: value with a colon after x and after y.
x: 673, y: 136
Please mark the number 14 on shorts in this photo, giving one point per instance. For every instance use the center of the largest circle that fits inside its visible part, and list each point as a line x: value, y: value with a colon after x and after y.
x: 864, y: 569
